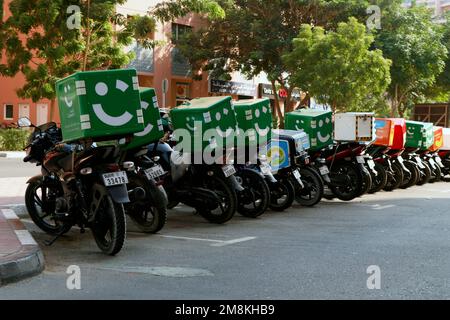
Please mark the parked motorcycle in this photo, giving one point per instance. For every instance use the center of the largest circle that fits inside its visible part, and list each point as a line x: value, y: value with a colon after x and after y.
x: 203, y: 187
x: 83, y: 187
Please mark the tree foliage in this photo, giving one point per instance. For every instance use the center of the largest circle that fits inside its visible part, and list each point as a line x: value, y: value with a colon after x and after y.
x: 39, y: 43
x: 337, y: 67
x: 414, y: 43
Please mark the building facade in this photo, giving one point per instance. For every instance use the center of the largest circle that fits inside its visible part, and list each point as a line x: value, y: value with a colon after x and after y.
x: 163, y: 68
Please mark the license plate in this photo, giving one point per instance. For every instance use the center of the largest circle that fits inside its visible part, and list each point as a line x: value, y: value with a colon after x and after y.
x: 228, y: 170
x: 360, y: 160
x: 266, y: 169
x: 400, y: 159
x: 154, y: 172
x: 419, y: 162
x: 115, y: 178
x: 324, y: 170
x: 371, y: 164
x: 297, y: 175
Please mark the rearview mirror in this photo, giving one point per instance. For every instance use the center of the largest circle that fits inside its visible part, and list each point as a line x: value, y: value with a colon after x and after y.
x: 24, y: 123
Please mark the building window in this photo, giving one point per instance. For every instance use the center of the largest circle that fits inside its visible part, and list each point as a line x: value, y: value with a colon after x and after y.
x: 8, y: 112
x: 183, y: 93
x: 179, y: 30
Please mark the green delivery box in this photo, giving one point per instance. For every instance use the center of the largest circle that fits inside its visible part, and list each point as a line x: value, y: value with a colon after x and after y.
x: 419, y: 135
x: 100, y: 105
x: 154, y: 130
x: 317, y: 124
x: 254, y: 119
x: 210, y: 122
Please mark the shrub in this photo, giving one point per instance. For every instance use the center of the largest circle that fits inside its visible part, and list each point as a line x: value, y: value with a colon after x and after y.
x: 13, y: 139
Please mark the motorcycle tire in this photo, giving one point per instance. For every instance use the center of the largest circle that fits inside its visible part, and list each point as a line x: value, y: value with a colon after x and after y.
x: 380, y: 180
x: 410, y: 179
x: 254, y: 200
x: 40, y: 207
x: 228, y: 198
x: 350, y: 191
x: 366, y: 182
x: 313, y: 190
x: 437, y: 175
x: 425, y: 175
x: 282, y: 194
x: 395, y: 178
x: 109, y: 226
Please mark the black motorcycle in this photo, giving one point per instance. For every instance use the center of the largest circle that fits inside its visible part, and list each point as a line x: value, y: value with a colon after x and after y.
x: 79, y: 186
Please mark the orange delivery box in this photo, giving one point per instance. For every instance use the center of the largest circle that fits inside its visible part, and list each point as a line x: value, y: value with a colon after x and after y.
x: 384, y: 132
x: 438, y: 139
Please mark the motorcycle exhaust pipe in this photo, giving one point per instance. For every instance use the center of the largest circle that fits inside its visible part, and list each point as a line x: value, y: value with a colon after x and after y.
x: 137, y: 194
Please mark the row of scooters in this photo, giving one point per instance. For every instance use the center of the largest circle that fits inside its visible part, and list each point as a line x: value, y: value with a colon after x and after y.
x: 144, y: 182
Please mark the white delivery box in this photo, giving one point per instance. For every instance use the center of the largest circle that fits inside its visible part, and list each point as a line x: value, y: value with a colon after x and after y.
x: 354, y: 126
x: 446, y: 135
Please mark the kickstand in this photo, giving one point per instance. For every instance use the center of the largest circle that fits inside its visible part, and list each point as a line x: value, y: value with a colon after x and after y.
x: 51, y: 242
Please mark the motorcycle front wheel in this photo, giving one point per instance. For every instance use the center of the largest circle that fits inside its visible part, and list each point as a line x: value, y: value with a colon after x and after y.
x: 40, y: 200
x: 109, y: 225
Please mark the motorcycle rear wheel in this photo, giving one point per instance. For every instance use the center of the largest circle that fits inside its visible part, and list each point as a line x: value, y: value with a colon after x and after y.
x: 425, y: 175
x: 282, y: 194
x: 380, y: 180
x: 437, y: 174
x: 396, y: 179
x: 109, y: 226
x: 350, y: 191
x: 228, y: 200
x: 313, y: 191
x: 410, y: 179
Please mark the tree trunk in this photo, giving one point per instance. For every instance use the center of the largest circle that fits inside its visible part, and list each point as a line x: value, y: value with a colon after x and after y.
x: 52, y: 110
x: 277, y: 111
x: 88, y: 35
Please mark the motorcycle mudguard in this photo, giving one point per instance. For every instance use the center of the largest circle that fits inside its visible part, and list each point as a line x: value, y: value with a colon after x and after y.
x: 119, y: 194
x: 35, y: 178
x: 235, y: 184
x: 157, y: 193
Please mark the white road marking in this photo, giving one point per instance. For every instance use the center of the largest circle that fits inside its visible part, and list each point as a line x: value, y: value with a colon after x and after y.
x: 25, y: 237
x: 9, y: 214
x: 216, y: 243
x: 227, y: 243
x: 378, y: 207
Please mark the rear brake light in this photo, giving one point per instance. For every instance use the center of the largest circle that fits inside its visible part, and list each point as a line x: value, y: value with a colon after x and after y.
x: 113, y: 167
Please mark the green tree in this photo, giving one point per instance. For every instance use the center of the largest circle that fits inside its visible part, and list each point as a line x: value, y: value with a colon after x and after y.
x: 338, y: 68
x: 42, y: 40
x: 413, y: 41
x: 255, y: 35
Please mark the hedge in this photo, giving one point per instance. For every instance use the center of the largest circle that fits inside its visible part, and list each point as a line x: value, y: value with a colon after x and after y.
x: 13, y: 139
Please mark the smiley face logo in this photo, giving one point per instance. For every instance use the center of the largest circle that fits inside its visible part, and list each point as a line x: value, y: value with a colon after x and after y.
x: 149, y: 128
x: 320, y: 135
x: 261, y: 131
x: 190, y: 124
x: 67, y: 90
x: 224, y: 117
x: 101, y: 89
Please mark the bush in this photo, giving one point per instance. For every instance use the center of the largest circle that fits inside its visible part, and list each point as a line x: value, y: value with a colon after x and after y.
x: 13, y: 139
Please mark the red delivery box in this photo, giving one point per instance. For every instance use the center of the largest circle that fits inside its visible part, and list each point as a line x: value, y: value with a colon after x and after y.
x: 399, y: 133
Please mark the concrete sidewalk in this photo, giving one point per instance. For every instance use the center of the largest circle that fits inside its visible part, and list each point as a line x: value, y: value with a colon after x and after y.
x: 20, y: 255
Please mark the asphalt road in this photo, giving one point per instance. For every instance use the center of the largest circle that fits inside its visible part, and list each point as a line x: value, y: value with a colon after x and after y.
x: 10, y: 168
x: 304, y: 253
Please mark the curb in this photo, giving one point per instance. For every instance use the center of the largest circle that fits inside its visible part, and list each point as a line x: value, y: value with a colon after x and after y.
x: 24, y: 263
x: 13, y: 155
